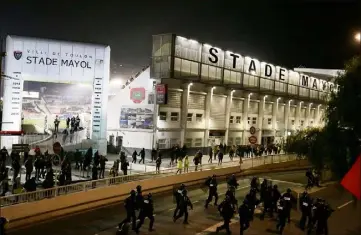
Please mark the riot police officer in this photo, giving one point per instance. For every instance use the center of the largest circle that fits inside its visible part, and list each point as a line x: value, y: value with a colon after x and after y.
x: 178, y: 196
x: 316, y: 212
x: 255, y: 183
x: 232, y: 181
x: 3, y: 222
x: 139, y: 197
x: 146, y: 210
x: 288, y: 198
x: 267, y: 202
x: 263, y: 189
x: 282, y: 215
x: 252, y: 201
x: 130, y: 205
x: 244, y: 216
x: 305, y: 204
x: 212, y: 185
x: 227, y: 210
x: 325, y: 213
x: 276, y: 195
x: 183, y: 207
x: 231, y: 193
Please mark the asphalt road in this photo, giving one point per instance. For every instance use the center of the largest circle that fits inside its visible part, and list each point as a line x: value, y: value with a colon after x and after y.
x: 104, y: 221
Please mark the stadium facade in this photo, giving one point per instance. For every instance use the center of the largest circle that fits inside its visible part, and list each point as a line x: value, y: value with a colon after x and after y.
x: 200, y: 95
x: 45, y: 78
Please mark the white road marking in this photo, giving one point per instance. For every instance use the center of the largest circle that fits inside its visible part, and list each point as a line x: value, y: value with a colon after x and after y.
x: 344, y: 204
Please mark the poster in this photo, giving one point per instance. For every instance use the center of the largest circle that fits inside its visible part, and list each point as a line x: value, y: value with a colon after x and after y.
x: 136, y: 117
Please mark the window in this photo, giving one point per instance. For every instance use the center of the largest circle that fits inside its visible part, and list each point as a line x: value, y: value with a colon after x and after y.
x: 269, y: 121
x: 231, y: 119
x: 238, y: 119
x: 238, y: 141
x: 249, y: 120
x: 292, y: 122
x: 199, y: 117
x: 163, y: 116
x: 174, y: 116
x: 198, y: 142
x: 189, y: 117
x: 188, y: 142
x: 162, y: 143
x: 254, y: 120
x: 302, y: 122
x: 174, y: 142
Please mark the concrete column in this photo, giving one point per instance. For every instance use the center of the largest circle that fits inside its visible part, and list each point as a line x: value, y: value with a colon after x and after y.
x: 274, y: 115
x: 308, y: 115
x: 298, y: 115
x: 318, y: 116
x: 184, y: 112
x: 228, y: 114
x: 261, y: 108
x: 287, y: 118
x: 207, y: 115
x: 246, y: 104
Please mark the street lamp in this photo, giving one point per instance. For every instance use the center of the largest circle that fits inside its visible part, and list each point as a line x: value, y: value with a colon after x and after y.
x: 289, y: 103
x: 358, y: 37
x: 249, y: 97
x: 264, y: 102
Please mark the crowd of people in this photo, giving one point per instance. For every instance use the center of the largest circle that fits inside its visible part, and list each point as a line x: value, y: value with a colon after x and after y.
x: 315, y: 213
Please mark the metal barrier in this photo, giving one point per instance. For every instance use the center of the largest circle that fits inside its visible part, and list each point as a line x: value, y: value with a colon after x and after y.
x: 89, y: 185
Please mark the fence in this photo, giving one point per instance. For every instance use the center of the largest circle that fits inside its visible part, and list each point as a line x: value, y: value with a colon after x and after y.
x: 89, y: 185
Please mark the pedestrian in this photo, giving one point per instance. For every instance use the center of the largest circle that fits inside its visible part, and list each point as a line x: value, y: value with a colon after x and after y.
x: 179, y: 165
x: 178, y: 194
x: 305, y: 204
x: 226, y: 210
x: 186, y: 164
x: 212, y: 192
x: 244, y: 217
x: 158, y: 162
x: 282, y: 216
x: 142, y: 156
x: 130, y: 205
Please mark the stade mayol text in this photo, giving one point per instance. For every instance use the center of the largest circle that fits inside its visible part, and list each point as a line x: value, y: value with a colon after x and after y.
x: 54, y: 61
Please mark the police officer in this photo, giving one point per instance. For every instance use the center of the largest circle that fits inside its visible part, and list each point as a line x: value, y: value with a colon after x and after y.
x: 282, y: 215
x: 325, y: 213
x: 316, y: 211
x: 227, y: 210
x: 146, y: 210
x: 130, y: 205
x: 305, y: 204
x: 231, y: 193
x: 232, y: 181
x: 267, y: 202
x: 178, y: 196
x: 252, y: 201
x: 3, y: 222
x: 255, y: 183
x: 276, y: 195
x: 139, y: 197
x: 183, y: 207
x: 263, y: 189
x: 212, y: 185
x: 244, y: 216
x: 288, y: 198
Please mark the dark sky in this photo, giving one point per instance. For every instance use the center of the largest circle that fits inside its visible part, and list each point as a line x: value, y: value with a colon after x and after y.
x: 298, y: 33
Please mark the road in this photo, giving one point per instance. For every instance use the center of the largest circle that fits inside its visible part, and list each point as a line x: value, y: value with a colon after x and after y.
x: 103, y: 221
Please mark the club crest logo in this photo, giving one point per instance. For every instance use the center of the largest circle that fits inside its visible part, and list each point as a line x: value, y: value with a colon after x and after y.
x: 137, y: 95
x: 18, y: 55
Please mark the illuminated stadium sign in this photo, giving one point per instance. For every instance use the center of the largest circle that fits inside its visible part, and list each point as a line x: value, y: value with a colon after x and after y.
x: 211, y: 64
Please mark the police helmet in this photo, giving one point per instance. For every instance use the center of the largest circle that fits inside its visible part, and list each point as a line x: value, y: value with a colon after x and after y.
x: 275, y: 186
x: 182, y: 186
x: 139, y: 188
x: 214, y: 176
x: 227, y: 198
x: 185, y: 192
x: 288, y: 190
x: 132, y: 193
x: 149, y: 195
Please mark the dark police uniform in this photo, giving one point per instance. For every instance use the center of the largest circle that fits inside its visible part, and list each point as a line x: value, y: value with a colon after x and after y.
x: 146, y: 210
x: 183, y: 207
x: 130, y: 205
x: 226, y: 209
x: 305, y: 204
x: 212, y: 184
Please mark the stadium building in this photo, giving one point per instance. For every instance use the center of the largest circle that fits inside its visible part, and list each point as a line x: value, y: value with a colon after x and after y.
x: 200, y: 95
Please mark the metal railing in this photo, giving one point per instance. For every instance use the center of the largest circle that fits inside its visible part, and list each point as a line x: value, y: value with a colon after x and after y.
x: 89, y: 185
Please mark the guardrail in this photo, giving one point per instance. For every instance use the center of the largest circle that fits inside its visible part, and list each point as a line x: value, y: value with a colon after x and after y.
x: 89, y: 185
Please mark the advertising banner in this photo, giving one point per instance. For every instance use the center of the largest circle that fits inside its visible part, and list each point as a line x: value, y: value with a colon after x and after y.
x: 162, y: 93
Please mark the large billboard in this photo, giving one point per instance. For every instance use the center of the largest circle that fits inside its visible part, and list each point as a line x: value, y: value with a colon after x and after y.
x: 214, y: 65
x: 138, y: 111
x: 47, y: 78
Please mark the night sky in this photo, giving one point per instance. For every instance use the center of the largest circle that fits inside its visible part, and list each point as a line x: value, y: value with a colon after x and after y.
x: 290, y: 33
